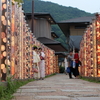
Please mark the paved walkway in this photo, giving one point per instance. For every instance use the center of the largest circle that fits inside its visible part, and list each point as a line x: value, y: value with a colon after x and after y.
x: 59, y: 87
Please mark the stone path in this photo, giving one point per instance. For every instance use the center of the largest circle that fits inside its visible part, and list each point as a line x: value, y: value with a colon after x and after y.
x: 59, y: 87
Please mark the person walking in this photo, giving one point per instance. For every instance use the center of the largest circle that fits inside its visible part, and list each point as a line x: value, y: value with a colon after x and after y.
x: 76, y: 57
x: 42, y: 64
x: 36, y: 60
x: 70, y: 61
x: 66, y: 63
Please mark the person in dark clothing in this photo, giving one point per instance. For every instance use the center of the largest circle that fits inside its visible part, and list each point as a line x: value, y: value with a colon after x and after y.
x: 76, y: 57
x: 70, y: 60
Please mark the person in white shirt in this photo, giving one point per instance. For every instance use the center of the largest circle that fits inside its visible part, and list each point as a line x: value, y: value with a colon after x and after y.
x: 66, y: 63
x: 36, y: 60
x: 42, y: 64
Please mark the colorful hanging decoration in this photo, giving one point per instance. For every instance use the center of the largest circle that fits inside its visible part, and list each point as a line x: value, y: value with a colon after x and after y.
x: 90, y: 50
x: 4, y: 41
x: 17, y: 43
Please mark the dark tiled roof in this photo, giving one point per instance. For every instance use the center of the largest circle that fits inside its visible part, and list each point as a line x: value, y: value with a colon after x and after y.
x: 55, y: 45
x: 38, y: 13
x: 42, y: 15
x: 75, y: 41
x: 79, y: 19
x: 45, y: 40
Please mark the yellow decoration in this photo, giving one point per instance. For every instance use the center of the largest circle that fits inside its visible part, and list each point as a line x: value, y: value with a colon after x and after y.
x: 12, y: 43
x: 2, y: 66
x: 8, y: 22
x: 7, y: 62
x: 4, y: 40
x: 2, y: 47
x: 4, y: 6
x: 6, y: 14
x: 4, y: 54
x: 12, y: 63
x: 2, y: 18
x: 0, y: 75
x: 4, y: 22
x: 12, y: 38
x: 3, y: 1
x: 4, y: 70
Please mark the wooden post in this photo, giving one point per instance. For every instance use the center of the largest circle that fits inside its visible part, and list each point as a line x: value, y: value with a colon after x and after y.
x: 33, y: 16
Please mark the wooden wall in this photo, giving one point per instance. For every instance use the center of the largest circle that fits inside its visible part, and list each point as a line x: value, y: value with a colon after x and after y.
x: 42, y: 27
x: 74, y: 31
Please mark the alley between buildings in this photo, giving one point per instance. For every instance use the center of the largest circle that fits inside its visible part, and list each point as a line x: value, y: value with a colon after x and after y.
x: 59, y: 87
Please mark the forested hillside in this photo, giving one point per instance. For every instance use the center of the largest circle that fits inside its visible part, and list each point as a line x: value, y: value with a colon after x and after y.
x: 58, y: 12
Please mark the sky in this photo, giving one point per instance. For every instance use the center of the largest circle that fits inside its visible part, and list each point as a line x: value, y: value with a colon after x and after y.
x: 91, y: 6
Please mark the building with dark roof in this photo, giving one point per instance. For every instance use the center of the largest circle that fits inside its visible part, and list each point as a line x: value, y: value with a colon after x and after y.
x: 42, y: 24
x: 55, y: 45
x: 74, y: 29
x: 42, y: 30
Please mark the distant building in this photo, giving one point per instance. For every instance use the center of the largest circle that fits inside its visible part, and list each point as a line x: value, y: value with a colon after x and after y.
x: 74, y: 29
x: 42, y: 24
x: 42, y: 31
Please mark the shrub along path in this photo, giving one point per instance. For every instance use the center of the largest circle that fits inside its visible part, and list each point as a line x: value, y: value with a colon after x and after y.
x: 59, y: 87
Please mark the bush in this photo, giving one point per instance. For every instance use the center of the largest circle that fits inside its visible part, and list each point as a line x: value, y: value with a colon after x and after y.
x: 61, y: 69
x: 12, y: 85
x: 91, y: 79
